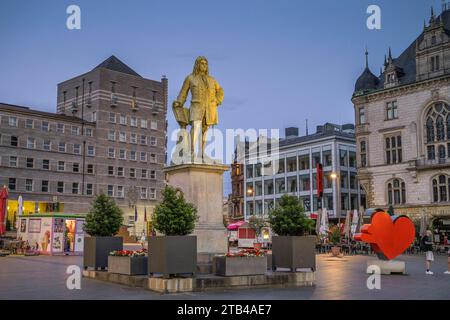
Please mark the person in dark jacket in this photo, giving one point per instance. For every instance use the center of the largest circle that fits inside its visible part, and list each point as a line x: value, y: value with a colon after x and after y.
x: 427, y: 242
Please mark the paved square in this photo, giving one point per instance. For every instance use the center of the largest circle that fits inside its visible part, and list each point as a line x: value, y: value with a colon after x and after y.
x: 44, y: 277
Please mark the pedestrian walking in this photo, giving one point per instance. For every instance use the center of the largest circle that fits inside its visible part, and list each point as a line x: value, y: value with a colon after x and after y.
x: 427, y: 244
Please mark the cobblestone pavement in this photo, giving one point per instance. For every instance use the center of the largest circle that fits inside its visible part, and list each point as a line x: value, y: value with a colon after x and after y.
x: 44, y: 277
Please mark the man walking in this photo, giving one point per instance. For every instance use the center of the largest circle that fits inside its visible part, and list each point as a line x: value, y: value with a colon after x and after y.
x: 427, y: 243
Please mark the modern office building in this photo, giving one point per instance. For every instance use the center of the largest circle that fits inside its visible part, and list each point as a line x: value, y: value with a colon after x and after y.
x: 108, y: 135
x: 403, y: 128
x: 333, y: 146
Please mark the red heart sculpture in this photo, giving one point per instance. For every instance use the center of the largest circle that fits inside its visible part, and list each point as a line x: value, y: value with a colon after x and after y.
x: 387, y: 236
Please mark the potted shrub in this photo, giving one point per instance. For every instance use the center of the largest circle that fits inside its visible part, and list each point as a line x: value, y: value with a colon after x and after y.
x: 335, y: 240
x: 102, y: 223
x: 257, y: 224
x: 293, y: 246
x: 128, y: 262
x: 244, y: 263
x: 176, y: 251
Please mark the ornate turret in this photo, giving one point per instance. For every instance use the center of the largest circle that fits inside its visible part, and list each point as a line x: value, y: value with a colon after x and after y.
x: 367, y: 81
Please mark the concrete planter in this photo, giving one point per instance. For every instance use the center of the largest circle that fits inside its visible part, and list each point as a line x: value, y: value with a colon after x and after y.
x: 294, y: 252
x: 172, y: 255
x: 128, y: 265
x: 96, y: 250
x: 240, y: 266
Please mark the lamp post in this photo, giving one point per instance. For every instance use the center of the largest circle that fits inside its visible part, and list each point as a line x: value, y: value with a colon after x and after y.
x: 336, y: 178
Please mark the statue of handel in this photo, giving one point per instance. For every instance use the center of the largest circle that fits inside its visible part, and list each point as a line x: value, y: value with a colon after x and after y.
x: 206, y: 96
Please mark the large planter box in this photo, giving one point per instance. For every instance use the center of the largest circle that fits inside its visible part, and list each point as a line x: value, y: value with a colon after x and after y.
x: 172, y: 255
x: 240, y: 266
x: 128, y: 265
x: 96, y: 250
x: 294, y: 252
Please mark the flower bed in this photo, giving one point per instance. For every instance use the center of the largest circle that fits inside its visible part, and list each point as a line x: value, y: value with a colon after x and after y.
x: 247, y: 253
x: 243, y: 263
x: 128, y: 262
x: 128, y: 253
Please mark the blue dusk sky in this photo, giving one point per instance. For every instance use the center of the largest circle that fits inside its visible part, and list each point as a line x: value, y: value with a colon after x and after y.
x: 280, y: 62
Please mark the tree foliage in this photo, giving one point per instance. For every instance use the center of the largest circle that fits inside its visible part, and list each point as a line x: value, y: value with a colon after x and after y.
x: 289, y: 219
x: 104, y: 218
x: 174, y: 216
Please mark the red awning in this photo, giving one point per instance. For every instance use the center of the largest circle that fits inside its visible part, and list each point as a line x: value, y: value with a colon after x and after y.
x: 235, y: 226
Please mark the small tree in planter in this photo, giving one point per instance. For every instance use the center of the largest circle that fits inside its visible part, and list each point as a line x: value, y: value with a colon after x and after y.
x: 176, y: 251
x: 102, y: 223
x: 294, y: 246
x: 335, y: 240
x: 257, y: 224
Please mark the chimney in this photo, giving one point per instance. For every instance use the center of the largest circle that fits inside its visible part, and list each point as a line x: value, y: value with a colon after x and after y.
x: 291, y: 132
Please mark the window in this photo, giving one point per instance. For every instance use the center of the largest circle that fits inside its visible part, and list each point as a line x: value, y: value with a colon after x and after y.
x: 133, y: 138
x: 76, y: 167
x: 111, y: 135
x: 431, y: 154
x: 433, y: 40
x: 112, y: 117
x: 292, y: 184
x: 90, y: 169
x: 88, y: 132
x: 343, y: 158
x: 123, y: 137
x: 111, y: 170
x: 120, y: 171
x: 393, y: 148
x: 111, y: 153
x: 143, y: 156
x: 61, y: 165
x: 435, y: 63
x: 153, y: 158
x: 91, y: 151
x: 28, y: 185
x: 362, y: 115
x: 123, y: 119
x: 441, y: 152
x: 60, y: 128
x: 110, y: 190
x: 437, y: 129
x: 13, y: 161
x: 352, y: 159
x: 291, y: 164
x: 133, y: 155
x: 120, y: 192
x: 62, y: 147
x: 94, y: 116
x: 29, y: 123
x: 143, y: 140
x: 152, y: 174
x: 305, y: 182
x: 60, y: 187
x: 363, y: 153
x: 122, y: 154
x: 153, y: 141
x: 441, y: 188
x: 47, y: 145
x: 12, y: 183
x: 153, y: 125
x: 143, y: 193
x: 31, y: 143
x: 44, y: 186
x: 133, y: 121
x: 14, y: 141
x: 46, y: 164
x: 45, y: 126
x: 143, y: 123
x: 75, y: 187
x: 396, y: 192
x: 89, y: 189
x: 77, y: 149
x: 327, y: 159
x: 30, y: 163
x: 152, y: 193
x: 12, y: 121
x: 144, y: 174
x: 75, y: 131
x: 391, y: 110
x: 132, y: 173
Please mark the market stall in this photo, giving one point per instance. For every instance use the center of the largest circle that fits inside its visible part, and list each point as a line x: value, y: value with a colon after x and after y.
x: 52, y: 233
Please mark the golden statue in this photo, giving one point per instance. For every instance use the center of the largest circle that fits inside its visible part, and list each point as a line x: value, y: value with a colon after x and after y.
x: 206, y: 96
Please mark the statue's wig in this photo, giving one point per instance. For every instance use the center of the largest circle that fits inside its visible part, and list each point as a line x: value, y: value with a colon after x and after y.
x: 197, y: 65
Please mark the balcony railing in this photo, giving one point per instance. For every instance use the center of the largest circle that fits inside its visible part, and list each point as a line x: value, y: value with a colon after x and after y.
x: 423, y: 164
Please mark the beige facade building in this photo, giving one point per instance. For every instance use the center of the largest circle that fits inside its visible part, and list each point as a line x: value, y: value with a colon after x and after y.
x: 108, y: 135
x: 403, y: 128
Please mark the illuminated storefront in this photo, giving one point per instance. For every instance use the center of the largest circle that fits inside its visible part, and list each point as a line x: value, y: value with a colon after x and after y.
x: 29, y: 208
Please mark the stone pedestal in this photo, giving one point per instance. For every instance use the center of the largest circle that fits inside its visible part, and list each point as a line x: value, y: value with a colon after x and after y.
x: 202, y: 185
x: 388, y: 267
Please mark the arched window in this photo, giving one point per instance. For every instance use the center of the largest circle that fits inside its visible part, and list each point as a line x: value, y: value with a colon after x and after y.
x: 441, y: 152
x: 441, y: 188
x: 440, y: 129
x: 363, y: 153
x: 448, y: 126
x: 396, y: 192
x: 430, y: 129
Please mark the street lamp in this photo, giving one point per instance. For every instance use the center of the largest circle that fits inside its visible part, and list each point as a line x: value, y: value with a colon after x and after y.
x: 335, y: 177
